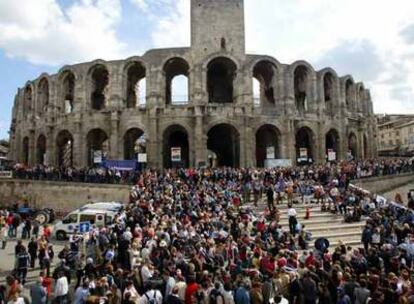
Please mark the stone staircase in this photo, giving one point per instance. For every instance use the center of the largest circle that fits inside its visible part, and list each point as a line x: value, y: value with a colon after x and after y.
x: 320, y: 224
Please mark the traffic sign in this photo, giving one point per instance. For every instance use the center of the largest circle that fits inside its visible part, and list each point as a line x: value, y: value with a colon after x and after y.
x: 84, y: 227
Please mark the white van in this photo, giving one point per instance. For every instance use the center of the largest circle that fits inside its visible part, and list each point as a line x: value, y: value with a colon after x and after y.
x: 71, y: 222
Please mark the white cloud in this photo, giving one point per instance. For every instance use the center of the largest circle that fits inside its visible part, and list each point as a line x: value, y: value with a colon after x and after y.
x: 43, y: 32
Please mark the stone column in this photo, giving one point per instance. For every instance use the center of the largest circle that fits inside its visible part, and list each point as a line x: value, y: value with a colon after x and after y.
x: 250, y: 145
x: 32, y: 148
x: 199, y: 140
x: 154, y: 147
x: 79, y: 146
x: 114, y: 136
x: 50, y: 146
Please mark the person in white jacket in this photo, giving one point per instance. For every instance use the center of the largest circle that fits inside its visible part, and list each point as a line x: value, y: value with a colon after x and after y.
x: 61, y: 289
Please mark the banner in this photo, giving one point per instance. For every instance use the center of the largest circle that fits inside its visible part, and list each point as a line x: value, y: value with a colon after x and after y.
x: 303, y: 153
x: 331, y: 155
x: 176, y: 154
x: 6, y: 174
x: 270, y: 152
x: 97, y: 156
x: 142, y: 157
x: 275, y: 163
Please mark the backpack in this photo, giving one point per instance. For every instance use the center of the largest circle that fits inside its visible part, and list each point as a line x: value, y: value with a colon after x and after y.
x: 152, y: 300
x: 214, y: 294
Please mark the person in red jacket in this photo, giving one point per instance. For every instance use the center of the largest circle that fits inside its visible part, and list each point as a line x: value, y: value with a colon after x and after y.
x: 191, y: 290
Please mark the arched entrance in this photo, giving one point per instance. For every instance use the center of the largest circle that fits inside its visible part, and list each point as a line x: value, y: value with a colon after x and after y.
x: 220, y: 76
x: 98, y: 146
x: 224, y: 141
x: 25, y: 151
x: 267, y: 144
x: 176, y: 152
x: 41, y: 150
x: 99, y: 82
x: 352, y: 146
x: 134, y: 143
x: 64, y: 148
x: 304, y: 146
x: 264, y: 73
x: 176, y: 81
x: 332, y: 145
x: 301, y: 88
x: 135, y: 85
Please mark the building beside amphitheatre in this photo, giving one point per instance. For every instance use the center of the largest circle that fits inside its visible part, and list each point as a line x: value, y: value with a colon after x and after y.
x: 207, y: 104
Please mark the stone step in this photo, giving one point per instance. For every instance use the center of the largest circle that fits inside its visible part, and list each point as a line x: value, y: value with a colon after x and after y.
x: 335, y: 235
x: 314, y: 220
x: 357, y: 228
x: 335, y: 243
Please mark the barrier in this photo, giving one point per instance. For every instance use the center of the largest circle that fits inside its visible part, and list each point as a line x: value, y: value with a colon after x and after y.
x: 6, y: 174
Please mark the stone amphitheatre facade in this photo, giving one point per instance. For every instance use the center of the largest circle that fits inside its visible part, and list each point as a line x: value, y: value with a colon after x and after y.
x: 123, y: 108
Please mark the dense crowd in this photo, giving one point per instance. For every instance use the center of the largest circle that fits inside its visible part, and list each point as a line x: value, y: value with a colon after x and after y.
x: 190, y: 236
x: 97, y: 174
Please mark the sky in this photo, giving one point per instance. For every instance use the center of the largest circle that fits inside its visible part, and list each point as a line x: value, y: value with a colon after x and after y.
x: 373, y: 40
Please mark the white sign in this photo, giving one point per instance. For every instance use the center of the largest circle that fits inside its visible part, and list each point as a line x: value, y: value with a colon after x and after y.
x: 331, y: 155
x: 274, y: 163
x: 270, y: 152
x: 142, y: 157
x: 303, y: 153
x: 6, y: 174
x: 97, y: 156
x: 176, y: 154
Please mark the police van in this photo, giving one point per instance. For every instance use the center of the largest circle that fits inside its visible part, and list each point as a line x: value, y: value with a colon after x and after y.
x: 82, y: 220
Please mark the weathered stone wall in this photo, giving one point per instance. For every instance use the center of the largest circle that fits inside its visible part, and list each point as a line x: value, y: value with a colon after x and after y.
x: 384, y: 184
x: 58, y: 195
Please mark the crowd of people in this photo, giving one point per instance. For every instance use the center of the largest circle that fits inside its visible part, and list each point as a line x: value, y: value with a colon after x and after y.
x: 97, y: 174
x: 192, y: 236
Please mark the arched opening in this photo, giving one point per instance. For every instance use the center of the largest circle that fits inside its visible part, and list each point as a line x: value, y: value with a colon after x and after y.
x: 267, y: 144
x: 348, y: 93
x: 328, y: 89
x: 98, y: 146
x: 220, y: 76
x: 42, y: 96
x: 100, y: 80
x: 176, y: 153
x: 176, y: 81
x: 224, y: 141
x: 64, y: 149
x: 25, y: 150
x: 27, y: 100
x: 68, y: 92
x: 134, y: 143
x: 352, y: 146
x: 264, y: 73
x: 304, y: 146
x: 41, y: 150
x: 332, y: 145
x: 136, y: 85
x: 301, y: 88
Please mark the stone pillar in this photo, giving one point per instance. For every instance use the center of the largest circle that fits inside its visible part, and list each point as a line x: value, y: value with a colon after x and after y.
x: 114, y: 136
x: 32, y: 148
x: 289, y: 146
x: 50, y: 146
x: 250, y: 145
x: 199, y: 140
x: 154, y: 147
x: 79, y: 146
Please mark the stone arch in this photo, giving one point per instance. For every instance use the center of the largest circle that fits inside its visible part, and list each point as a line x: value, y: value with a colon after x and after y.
x: 42, y: 95
x: 223, y: 140
x: 41, y: 150
x: 265, y: 72
x: 176, y: 71
x: 361, y: 97
x: 67, y: 94
x: 305, y: 145
x: 27, y: 99
x: 353, y: 152
x: 134, y: 143
x: 98, y: 145
x: 332, y: 144
x: 99, y: 80
x: 267, y: 144
x: 176, y: 147
x: 135, y: 84
x: 25, y: 150
x: 221, y: 73
x: 64, y: 149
